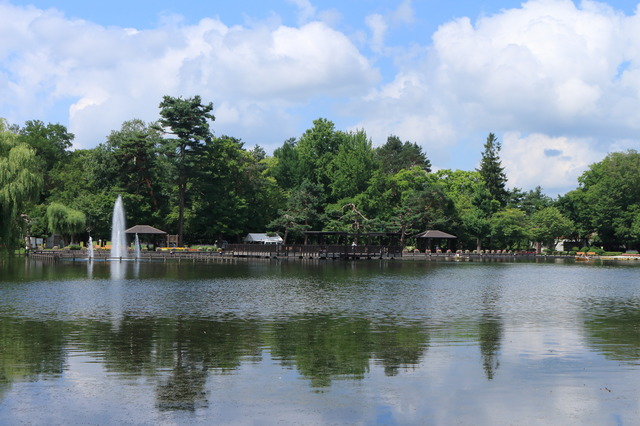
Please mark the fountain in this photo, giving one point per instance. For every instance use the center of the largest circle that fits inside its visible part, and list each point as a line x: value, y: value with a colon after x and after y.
x: 118, y: 237
x: 136, y: 248
x: 90, y: 248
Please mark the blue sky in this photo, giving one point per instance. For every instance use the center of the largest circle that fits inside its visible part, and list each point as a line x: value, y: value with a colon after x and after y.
x: 557, y: 81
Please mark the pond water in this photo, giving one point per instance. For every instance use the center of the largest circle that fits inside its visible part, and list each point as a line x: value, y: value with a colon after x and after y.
x: 368, y: 342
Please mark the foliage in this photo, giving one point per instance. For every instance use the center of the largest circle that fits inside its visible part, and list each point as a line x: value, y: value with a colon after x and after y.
x: 492, y: 171
x: 188, y: 119
x: 395, y: 156
x: 549, y: 224
x: 509, y: 228
x: 608, y: 199
x: 174, y: 175
x: 64, y: 220
x: 20, y: 183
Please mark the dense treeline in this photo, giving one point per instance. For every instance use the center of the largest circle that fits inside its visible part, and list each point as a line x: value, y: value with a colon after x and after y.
x: 176, y: 175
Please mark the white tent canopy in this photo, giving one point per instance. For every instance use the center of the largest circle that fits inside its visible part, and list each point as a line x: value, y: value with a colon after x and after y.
x: 263, y: 239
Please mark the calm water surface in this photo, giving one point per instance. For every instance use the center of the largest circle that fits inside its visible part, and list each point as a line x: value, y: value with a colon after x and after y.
x: 319, y: 343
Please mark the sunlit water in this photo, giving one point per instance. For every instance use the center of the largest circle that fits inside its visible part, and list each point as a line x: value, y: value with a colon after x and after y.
x: 334, y: 342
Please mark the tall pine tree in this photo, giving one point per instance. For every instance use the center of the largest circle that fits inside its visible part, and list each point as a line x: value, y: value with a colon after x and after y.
x: 188, y: 119
x: 492, y: 171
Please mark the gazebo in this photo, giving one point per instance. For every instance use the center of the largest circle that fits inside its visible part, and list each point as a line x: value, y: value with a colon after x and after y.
x: 432, y: 234
x: 149, y: 230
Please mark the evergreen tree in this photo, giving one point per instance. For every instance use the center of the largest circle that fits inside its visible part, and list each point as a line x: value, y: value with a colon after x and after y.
x: 492, y: 171
x: 395, y: 156
x: 188, y: 119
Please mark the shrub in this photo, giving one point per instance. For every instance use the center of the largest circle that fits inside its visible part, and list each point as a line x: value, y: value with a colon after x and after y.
x: 74, y: 247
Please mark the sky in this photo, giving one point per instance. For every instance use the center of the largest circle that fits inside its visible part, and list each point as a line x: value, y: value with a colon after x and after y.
x: 557, y: 81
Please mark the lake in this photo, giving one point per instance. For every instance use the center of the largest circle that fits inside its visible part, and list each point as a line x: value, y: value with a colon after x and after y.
x: 319, y: 342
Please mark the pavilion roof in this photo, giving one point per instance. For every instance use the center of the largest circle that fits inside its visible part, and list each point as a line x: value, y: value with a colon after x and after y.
x: 144, y: 229
x: 432, y: 233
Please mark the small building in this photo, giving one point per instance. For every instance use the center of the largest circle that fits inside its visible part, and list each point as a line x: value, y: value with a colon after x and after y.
x: 154, y: 236
x: 262, y: 239
x: 425, y: 238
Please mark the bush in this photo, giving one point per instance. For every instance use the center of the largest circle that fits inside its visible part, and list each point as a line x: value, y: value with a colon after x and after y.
x: 74, y: 247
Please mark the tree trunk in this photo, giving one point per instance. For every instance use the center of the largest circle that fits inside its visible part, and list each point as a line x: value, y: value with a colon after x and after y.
x: 181, y: 189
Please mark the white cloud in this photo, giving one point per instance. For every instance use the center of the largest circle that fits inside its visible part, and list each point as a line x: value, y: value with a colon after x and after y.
x: 108, y: 75
x: 560, y: 73
x: 554, y: 163
x: 404, y: 14
x: 378, y: 28
x: 306, y: 11
x: 563, y: 74
x: 542, y: 67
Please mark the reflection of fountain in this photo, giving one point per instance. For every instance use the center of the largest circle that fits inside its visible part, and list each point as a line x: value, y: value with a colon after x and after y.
x: 118, y: 237
x: 90, y: 248
x: 136, y: 249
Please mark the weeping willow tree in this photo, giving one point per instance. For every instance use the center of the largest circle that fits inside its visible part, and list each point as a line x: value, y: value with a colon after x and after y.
x: 20, y: 183
x: 65, y: 221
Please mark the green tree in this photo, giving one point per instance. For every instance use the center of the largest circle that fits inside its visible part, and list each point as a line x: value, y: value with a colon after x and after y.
x: 547, y: 225
x: 316, y: 150
x: 352, y: 166
x: 468, y: 191
x: 610, y: 192
x: 395, y: 156
x: 509, y: 228
x: 492, y: 171
x: 287, y: 168
x: 20, y: 183
x: 188, y: 120
x: 51, y: 142
x: 303, y: 211
x: 139, y: 172
x: 534, y: 200
x: 65, y: 221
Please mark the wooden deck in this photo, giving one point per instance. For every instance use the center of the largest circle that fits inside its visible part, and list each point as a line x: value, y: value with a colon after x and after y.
x: 317, y: 252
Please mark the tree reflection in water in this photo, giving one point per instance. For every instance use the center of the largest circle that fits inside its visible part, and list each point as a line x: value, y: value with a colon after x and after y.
x: 179, y: 354
x: 490, y: 331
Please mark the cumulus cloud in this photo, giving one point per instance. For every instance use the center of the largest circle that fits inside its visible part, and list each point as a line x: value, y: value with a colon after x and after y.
x: 554, y: 163
x: 567, y: 77
x: 563, y: 74
x: 548, y: 66
x: 105, y: 76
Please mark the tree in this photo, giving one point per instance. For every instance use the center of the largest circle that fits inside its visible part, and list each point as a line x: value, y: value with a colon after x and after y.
x: 188, y: 119
x: 534, y: 201
x: 509, y: 228
x: 303, y: 211
x: 140, y: 173
x: 352, y: 166
x: 492, y: 171
x: 395, y: 156
x: 316, y: 150
x: 51, y: 144
x: 548, y: 224
x: 609, y: 195
x: 65, y: 221
x: 20, y: 183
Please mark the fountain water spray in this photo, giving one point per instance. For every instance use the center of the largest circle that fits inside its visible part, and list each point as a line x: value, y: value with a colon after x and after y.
x: 90, y: 248
x: 118, y: 237
x: 136, y: 249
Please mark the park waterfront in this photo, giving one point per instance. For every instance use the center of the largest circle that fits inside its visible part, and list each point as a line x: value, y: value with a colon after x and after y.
x: 326, y: 179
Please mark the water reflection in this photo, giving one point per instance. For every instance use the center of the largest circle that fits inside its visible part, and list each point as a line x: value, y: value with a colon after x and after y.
x: 490, y: 330
x: 413, y: 343
x: 180, y: 353
x: 613, y: 328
